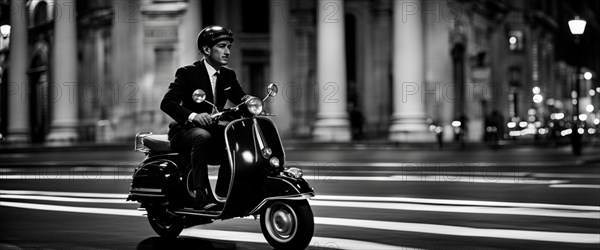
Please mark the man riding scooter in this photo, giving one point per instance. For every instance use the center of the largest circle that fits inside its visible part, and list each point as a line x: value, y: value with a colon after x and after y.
x: 193, y: 130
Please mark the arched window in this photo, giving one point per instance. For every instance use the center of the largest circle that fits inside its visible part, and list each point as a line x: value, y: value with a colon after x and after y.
x: 40, y: 13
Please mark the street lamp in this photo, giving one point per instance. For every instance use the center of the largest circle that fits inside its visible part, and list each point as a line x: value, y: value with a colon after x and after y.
x: 5, y: 30
x: 577, y: 27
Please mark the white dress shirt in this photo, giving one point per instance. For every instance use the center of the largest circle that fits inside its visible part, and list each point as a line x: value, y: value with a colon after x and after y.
x: 212, y: 75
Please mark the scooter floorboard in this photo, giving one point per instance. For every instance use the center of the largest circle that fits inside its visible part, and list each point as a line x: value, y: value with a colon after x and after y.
x: 212, y: 214
x: 215, y: 211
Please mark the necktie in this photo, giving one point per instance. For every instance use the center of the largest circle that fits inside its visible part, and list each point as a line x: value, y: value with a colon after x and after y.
x: 213, y: 83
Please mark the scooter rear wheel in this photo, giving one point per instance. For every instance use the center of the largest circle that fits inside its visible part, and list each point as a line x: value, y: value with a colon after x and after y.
x: 165, y: 224
x: 287, y: 224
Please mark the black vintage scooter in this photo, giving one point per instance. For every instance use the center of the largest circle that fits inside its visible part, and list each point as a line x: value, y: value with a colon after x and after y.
x: 252, y: 181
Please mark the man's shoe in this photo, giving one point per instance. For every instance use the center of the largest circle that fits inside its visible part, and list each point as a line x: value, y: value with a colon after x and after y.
x: 201, y: 202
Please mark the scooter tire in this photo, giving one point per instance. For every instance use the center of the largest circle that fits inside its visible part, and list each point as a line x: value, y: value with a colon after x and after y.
x: 164, y: 224
x: 287, y: 224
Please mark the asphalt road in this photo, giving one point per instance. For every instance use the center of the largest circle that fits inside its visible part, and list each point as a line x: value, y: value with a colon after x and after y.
x: 385, y: 200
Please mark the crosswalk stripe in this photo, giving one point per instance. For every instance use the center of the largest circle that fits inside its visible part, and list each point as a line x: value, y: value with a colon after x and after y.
x: 307, y: 164
x: 328, y: 168
x: 72, y: 209
x: 316, y: 242
x: 52, y: 177
x: 478, y: 165
x: 65, y: 199
x: 332, y: 178
x: 369, y: 205
x: 592, y: 186
x: 33, y: 194
x: 582, y: 238
x: 456, y: 202
x: 69, y: 194
x: 460, y: 209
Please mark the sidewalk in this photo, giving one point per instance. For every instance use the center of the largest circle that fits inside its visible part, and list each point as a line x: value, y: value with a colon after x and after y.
x: 290, y: 144
x: 307, y: 153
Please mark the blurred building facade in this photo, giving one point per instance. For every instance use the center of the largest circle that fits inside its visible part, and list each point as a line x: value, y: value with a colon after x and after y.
x: 94, y: 70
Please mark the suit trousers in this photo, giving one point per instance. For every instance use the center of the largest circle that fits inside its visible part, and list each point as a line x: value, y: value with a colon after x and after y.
x: 205, y: 145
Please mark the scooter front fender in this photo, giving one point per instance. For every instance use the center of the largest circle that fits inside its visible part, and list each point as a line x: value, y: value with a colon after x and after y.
x: 284, y: 188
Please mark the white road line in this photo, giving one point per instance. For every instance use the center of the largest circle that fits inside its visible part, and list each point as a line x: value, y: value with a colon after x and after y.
x: 69, y: 194
x: 97, y: 163
x: 369, y: 205
x: 328, y: 178
x: 316, y: 242
x: 469, y: 173
x: 491, y: 175
x: 313, y: 164
x: 565, y: 175
x: 309, y: 164
x: 582, y: 238
x: 564, y: 237
x: 473, y: 179
x: 51, y: 177
x: 457, y: 202
x: 444, y: 169
x: 460, y: 209
x: 436, y: 178
x: 71, y: 209
x: 65, y: 199
x: 35, y: 193
x: 575, y: 186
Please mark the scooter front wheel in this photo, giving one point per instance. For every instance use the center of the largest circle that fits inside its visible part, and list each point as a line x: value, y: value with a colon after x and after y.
x: 287, y: 224
x: 165, y: 224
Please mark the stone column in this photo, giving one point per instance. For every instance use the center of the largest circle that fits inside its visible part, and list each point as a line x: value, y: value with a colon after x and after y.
x: 280, y: 66
x: 332, y: 122
x: 63, y: 126
x: 18, y: 93
x: 191, y: 25
x: 302, y: 90
x: 409, y: 122
x: 162, y: 22
x: 439, y: 65
x: 377, y: 97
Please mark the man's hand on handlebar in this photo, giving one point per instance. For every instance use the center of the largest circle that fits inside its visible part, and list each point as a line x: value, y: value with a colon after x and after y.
x: 203, y: 119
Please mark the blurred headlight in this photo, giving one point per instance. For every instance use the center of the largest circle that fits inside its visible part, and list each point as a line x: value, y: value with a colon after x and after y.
x: 274, y: 162
x: 255, y: 105
x: 294, y: 172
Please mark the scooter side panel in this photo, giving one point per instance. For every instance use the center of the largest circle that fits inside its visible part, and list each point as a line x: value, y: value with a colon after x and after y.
x: 154, y: 181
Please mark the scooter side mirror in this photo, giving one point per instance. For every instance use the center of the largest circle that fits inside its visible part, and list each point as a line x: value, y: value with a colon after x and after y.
x: 272, y: 89
x: 199, y: 96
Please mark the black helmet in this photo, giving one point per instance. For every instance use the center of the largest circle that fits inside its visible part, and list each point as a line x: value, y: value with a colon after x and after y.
x: 212, y: 34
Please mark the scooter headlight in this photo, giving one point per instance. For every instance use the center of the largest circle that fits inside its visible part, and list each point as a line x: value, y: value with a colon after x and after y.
x: 255, y: 105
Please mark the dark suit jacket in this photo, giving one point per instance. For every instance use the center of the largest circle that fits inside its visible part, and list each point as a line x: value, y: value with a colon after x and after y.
x: 178, y: 102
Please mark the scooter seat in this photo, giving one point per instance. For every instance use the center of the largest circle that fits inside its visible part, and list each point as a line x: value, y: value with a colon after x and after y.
x: 158, y: 143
